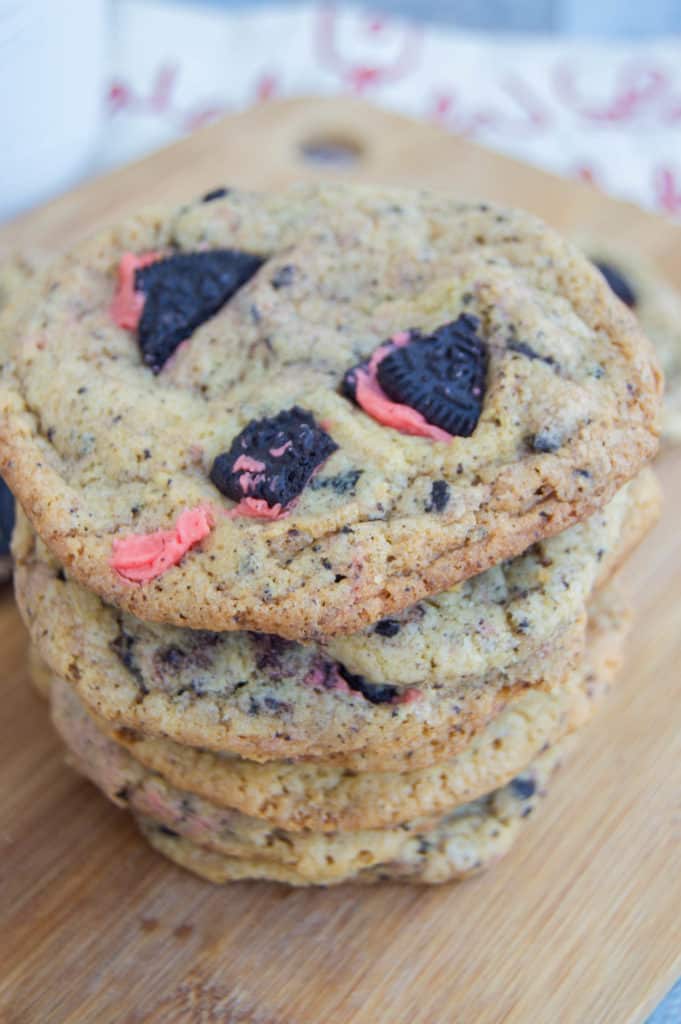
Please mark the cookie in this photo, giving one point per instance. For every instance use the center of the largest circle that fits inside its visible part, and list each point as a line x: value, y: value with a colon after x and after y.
x: 267, y: 699
x: 317, y: 858
x: 464, y: 843
x: 557, y: 389
x: 325, y: 798
x: 15, y: 273
x: 657, y: 304
x: 39, y: 672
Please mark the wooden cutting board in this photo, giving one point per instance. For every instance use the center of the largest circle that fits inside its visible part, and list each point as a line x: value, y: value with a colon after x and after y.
x: 581, y: 923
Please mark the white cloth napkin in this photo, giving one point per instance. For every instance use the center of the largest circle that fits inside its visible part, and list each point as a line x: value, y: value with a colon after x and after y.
x: 606, y: 112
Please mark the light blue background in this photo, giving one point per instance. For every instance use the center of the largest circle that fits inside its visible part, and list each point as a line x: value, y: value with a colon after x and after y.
x: 623, y: 18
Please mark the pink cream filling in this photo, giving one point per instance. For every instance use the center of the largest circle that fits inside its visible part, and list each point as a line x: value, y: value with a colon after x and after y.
x: 128, y: 304
x: 319, y: 678
x: 410, y: 695
x: 373, y: 399
x: 254, y: 472
x: 144, y: 556
x: 257, y: 508
x: 278, y: 452
x: 250, y: 464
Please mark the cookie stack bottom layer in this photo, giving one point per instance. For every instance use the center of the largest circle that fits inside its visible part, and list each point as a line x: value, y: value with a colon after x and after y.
x: 466, y: 836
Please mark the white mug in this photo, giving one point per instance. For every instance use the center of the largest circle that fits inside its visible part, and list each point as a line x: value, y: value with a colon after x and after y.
x: 53, y: 66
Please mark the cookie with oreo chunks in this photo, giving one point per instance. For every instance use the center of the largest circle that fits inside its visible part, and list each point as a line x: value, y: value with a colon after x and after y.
x: 272, y: 460
x: 148, y: 531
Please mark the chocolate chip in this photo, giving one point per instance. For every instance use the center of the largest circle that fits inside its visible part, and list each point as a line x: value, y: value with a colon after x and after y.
x: 387, y: 627
x: 283, y: 277
x: 216, y: 193
x: 277, y: 707
x: 342, y: 483
x: 619, y: 284
x: 165, y: 831
x: 523, y: 786
x: 523, y: 349
x: 439, y: 496
x: 123, y: 646
x: 544, y: 442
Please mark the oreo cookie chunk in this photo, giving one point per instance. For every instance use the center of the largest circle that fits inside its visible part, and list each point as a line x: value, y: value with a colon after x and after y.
x: 619, y: 284
x: 183, y: 291
x: 271, y: 461
x: 439, y: 376
x: 6, y: 527
x: 375, y: 693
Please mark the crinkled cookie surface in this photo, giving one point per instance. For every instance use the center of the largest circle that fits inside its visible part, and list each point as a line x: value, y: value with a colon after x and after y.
x: 163, y: 370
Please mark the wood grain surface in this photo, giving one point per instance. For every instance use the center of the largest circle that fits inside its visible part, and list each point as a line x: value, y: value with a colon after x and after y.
x: 581, y: 924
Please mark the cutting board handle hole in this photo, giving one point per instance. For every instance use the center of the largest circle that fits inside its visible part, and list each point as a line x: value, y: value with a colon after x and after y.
x: 331, y: 151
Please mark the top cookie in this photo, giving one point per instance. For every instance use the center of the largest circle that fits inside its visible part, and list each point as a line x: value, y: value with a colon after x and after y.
x: 300, y: 413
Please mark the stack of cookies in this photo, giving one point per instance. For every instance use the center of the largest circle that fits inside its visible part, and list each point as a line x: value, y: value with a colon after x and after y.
x: 322, y: 498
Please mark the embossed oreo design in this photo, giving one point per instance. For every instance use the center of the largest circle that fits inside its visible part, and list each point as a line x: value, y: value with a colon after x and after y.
x: 430, y: 385
x: 619, y: 284
x: 271, y: 461
x: 166, y: 298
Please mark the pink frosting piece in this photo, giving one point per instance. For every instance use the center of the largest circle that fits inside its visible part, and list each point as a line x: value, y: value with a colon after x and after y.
x: 144, y: 556
x: 409, y: 696
x: 257, y: 508
x: 278, y: 452
x: 249, y: 481
x: 254, y: 472
x: 320, y: 678
x: 250, y: 464
x: 127, y: 305
x: 373, y: 399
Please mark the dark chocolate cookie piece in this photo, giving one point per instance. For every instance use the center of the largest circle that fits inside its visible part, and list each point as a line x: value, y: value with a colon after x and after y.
x: 182, y: 292
x: 441, y: 375
x: 6, y: 517
x: 619, y: 283
x: 272, y: 459
x: 215, y: 193
x: 6, y: 527
x: 375, y: 693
